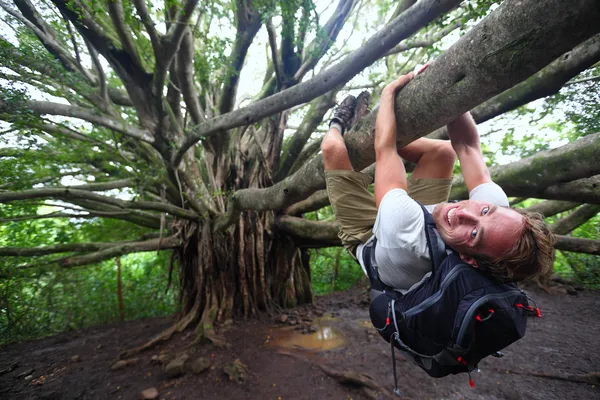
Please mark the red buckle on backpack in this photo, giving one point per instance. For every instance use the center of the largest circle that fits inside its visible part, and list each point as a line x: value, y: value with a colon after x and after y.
x: 536, y: 310
x: 478, y: 317
x: 460, y: 360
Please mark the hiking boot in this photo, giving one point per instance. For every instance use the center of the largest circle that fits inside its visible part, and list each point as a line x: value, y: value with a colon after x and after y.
x: 344, y: 113
x: 362, y: 108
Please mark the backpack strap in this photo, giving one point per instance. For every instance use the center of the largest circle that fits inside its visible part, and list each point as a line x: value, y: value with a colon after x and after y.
x: 437, y: 247
x: 368, y: 256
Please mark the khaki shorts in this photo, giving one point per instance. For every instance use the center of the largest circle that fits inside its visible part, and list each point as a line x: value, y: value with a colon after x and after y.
x: 354, y: 206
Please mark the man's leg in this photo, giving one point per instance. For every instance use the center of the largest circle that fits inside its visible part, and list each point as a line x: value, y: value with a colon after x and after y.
x: 352, y: 203
x: 434, y: 158
x: 431, y: 179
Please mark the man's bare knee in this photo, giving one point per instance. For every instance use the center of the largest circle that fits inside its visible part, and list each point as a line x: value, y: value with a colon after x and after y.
x: 332, y: 148
x: 445, y: 154
x: 335, y: 154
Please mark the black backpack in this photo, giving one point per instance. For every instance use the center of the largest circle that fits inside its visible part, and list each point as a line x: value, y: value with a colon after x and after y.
x: 453, y: 318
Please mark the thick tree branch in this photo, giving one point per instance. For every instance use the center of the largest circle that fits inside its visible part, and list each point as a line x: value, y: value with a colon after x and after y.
x: 315, y: 201
x: 306, y: 154
x: 169, y: 44
x: 550, y: 208
x: 570, y: 162
x: 400, y: 28
x: 577, y: 245
x: 61, y: 248
x: 69, y: 194
x: 116, y: 250
x: 312, y: 119
x: 133, y: 75
x: 185, y: 67
x: 117, y: 15
x: 585, y: 190
x: 101, y: 186
x: 590, y: 79
x: 575, y: 219
x: 247, y: 23
x: 274, y: 52
x: 546, y: 82
x: 89, y: 215
x: 142, y: 11
x: 119, y: 250
x: 425, y: 42
x: 307, y: 229
x: 329, y: 33
x: 513, y: 42
x: 46, y: 107
x: 32, y: 20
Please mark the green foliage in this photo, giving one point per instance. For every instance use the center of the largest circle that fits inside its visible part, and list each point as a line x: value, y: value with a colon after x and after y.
x: 331, y: 269
x: 40, y: 300
x: 35, y: 304
x: 323, y: 270
x: 581, y: 268
x: 577, y: 105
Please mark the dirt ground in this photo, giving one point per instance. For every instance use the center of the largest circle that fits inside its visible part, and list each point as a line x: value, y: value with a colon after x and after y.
x: 558, y: 359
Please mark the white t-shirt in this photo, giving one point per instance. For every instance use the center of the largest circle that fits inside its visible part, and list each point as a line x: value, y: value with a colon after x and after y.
x: 402, y: 253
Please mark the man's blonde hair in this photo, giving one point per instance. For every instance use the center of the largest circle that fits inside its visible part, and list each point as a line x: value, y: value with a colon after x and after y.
x: 532, y: 254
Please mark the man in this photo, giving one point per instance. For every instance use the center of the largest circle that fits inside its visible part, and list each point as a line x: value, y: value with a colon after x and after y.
x: 509, y: 244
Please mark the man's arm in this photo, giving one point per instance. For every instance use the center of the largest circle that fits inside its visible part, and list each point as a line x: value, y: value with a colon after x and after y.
x: 465, y: 141
x: 390, y: 172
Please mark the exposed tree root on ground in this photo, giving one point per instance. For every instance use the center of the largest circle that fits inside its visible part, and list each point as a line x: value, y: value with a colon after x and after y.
x: 369, y: 387
x: 360, y: 380
x: 163, y: 336
x: 592, y: 378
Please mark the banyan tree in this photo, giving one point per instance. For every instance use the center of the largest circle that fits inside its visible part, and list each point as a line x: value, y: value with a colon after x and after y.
x: 147, y: 106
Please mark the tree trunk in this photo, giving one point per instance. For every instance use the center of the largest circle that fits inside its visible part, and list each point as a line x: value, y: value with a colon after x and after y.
x: 241, y: 271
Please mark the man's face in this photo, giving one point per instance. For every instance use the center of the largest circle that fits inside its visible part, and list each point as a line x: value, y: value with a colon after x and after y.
x: 472, y: 227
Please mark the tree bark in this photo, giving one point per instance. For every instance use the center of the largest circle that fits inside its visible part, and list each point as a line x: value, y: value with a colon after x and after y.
x: 575, y: 219
x: 545, y: 83
x: 549, y: 208
x: 585, y: 190
x: 578, y: 245
x: 570, y: 162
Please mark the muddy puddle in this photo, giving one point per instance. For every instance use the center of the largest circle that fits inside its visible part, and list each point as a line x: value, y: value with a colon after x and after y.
x: 323, y: 337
